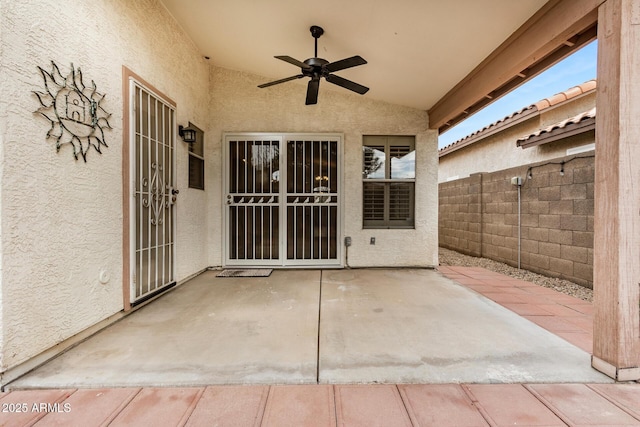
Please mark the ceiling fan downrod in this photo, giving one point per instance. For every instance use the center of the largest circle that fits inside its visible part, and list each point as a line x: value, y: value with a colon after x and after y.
x: 316, y: 32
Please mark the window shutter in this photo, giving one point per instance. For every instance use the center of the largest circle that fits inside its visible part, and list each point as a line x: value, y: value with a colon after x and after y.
x: 196, y: 159
x: 373, y: 202
x: 399, y: 151
x: 373, y: 161
x: 400, y: 196
x: 196, y: 172
x: 388, y: 182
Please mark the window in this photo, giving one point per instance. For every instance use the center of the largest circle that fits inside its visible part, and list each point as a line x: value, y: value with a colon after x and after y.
x: 388, y: 186
x: 196, y: 160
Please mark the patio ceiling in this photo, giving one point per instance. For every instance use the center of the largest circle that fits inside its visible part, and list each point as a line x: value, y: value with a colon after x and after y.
x: 417, y: 51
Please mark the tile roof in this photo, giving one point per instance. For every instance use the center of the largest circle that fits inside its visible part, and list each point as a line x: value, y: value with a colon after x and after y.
x: 520, y: 115
x: 573, y: 125
x: 566, y: 95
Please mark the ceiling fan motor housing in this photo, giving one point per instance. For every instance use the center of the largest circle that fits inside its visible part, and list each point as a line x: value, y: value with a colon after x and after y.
x: 317, y: 64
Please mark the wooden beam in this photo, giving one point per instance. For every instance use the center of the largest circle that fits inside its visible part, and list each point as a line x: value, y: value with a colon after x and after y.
x: 616, y: 334
x: 534, y: 70
x: 543, y: 34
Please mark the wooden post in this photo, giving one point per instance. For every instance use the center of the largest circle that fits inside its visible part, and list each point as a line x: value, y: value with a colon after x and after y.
x: 616, y: 343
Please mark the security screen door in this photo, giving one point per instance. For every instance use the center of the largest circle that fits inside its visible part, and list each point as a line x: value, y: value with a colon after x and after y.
x: 152, y: 170
x: 283, y: 200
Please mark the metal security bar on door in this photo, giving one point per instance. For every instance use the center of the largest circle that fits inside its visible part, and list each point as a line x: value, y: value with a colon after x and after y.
x: 282, y: 200
x: 152, y: 162
x: 312, y: 202
x: 253, y: 202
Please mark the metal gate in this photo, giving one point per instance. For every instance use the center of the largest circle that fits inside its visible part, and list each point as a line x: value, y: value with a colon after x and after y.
x: 282, y: 200
x: 152, y: 169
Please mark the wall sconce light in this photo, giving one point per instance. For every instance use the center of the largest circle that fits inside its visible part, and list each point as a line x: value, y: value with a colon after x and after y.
x: 562, y: 169
x: 187, y: 135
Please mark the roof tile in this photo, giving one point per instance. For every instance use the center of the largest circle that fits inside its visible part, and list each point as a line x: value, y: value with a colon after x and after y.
x: 538, y: 106
x: 590, y: 114
x: 566, y: 95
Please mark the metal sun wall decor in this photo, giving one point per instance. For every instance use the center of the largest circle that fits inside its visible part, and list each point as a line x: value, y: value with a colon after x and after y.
x: 74, y: 111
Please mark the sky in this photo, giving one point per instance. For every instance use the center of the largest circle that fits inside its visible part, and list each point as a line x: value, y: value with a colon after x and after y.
x: 572, y: 71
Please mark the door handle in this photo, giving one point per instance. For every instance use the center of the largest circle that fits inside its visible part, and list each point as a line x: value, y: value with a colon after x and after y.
x: 174, y: 197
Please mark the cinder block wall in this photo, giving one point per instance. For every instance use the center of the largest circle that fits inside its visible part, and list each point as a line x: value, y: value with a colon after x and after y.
x: 556, y: 217
x: 460, y: 215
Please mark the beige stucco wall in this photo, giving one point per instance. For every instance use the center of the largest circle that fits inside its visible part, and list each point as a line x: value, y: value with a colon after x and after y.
x: 61, y: 219
x: 499, y: 151
x: 4, y: 113
x: 237, y: 105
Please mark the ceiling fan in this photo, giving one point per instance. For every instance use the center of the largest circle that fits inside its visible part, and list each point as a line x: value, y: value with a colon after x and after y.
x: 317, y: 67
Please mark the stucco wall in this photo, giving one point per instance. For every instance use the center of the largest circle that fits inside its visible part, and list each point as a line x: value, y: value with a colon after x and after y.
x: 62, y: 219
x: 237, y: 105
x: 4, y: 113
x: 499, y: 151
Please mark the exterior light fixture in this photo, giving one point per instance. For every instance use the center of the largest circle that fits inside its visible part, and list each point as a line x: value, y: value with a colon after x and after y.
x: 187, y: 135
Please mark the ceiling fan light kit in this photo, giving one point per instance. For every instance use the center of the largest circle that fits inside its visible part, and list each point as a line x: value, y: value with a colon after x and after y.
x: 317, y: 68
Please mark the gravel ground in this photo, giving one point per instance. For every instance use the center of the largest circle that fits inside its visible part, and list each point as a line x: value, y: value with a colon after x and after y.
x: 452, y: 258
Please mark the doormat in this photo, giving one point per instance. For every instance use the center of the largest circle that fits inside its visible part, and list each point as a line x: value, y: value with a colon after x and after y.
x: 249, y: 272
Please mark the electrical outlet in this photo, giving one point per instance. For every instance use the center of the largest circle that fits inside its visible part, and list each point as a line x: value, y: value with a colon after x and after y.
x: 347, y: 241
x: 372, y: 241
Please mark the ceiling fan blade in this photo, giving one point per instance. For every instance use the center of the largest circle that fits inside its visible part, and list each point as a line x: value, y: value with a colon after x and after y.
x: 294, y: 61
x: 347, y: 84
x: 312, y: 91
x: 277, y: 82
x: 345, y: 63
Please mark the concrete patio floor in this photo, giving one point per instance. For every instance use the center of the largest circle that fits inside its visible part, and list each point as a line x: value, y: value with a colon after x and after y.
x: 332, y: 327
x: 342, y: 300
